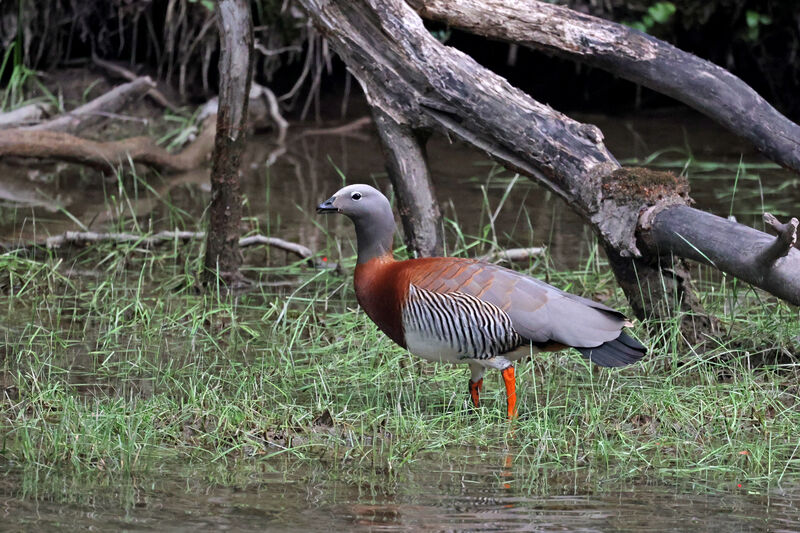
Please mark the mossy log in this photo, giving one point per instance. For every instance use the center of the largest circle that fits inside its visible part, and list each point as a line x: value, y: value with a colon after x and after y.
x: 419, y: 82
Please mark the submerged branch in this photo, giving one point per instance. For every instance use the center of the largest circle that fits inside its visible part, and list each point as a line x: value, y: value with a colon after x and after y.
x: 344, y: 129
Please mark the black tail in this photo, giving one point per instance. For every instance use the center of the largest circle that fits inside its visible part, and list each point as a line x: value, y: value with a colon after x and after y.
x: 622, y: 351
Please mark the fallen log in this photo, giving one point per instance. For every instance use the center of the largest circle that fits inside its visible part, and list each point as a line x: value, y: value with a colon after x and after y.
x: 107, y: 155
x: 96, y: 110
x: 419, y: 82
x: 629, y: 54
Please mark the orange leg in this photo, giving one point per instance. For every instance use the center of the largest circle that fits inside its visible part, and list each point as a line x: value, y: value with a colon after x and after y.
x: 475, y: 391
x: 511, y: 391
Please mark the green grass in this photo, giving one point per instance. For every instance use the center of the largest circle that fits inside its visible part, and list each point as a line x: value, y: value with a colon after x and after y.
x: 20, y: 80
x: 114, y: 360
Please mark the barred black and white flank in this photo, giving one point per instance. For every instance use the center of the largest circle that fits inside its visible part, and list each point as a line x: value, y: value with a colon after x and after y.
x: 455, y: 326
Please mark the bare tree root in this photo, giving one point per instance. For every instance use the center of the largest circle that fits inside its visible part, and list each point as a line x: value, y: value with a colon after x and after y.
x: 108, y: 155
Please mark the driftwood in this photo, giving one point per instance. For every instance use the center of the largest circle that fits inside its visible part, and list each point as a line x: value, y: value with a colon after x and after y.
x: 513, y: 255
x: 118, y: 70
x: 225, y: 212
x: 96, y: 110
x: 632, y: 55
x: 107, y: 155
x: 26, y: 115
x: 78, y: 238
x: 421, y: 83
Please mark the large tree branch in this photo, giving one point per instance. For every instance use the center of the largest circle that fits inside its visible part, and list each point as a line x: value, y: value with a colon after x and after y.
x: 416, y: 80
x: 419, y: 82
x: 404, y: 152
x: 632, y: 55
x: 771, y: 263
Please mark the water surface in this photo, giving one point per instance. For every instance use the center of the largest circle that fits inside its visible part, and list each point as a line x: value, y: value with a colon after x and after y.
x: 436, y: 492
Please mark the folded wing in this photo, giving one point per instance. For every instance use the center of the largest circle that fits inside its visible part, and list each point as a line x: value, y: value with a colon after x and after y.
x: 539, y: 312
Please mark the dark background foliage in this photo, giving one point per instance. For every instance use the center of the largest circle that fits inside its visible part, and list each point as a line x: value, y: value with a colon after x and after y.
x: 175, y: 41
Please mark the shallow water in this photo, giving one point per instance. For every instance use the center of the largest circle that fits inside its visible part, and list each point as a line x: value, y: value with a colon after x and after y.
x: 437, y: 492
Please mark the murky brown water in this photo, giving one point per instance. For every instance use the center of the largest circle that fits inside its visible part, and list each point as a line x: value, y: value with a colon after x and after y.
x: 282, y: 185
x: 438, y: 492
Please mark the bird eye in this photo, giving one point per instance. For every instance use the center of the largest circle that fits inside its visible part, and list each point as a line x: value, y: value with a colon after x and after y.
x: 356, y: 196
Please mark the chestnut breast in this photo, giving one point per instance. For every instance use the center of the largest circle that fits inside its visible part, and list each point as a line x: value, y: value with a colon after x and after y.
x: 381, y: 287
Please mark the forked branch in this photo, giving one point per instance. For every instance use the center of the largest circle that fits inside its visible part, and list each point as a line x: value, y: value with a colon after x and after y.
x: 786, y: 239
x: 421, y: 84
